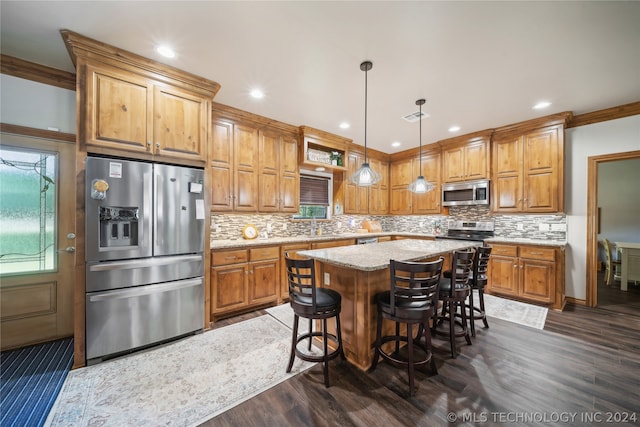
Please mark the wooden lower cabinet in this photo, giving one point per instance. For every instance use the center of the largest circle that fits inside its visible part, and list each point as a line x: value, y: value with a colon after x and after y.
x: 529, y: 273
x: 332, y: 244
x: 243, y: 279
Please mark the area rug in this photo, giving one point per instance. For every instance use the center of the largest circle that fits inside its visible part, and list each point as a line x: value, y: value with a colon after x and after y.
x: 181, y: 384
x: 284, y: 314
x: 514, y: 311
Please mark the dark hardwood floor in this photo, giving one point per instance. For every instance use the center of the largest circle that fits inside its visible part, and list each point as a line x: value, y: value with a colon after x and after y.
x: 612, y: 298
x: 582, y: 369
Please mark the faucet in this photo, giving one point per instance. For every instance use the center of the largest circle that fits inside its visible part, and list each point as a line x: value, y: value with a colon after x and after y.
x: 312, y: 231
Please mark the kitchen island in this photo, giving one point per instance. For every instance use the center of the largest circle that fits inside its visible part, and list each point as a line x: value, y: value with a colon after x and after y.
x: 359, y: 272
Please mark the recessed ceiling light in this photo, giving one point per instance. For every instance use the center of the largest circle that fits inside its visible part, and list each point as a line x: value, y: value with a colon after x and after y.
x: 396, y: 144
x: 166, y: 51
x: 257, y: 93
x: 540, y: 105
x: 344, y: 125
x: 454, y: 128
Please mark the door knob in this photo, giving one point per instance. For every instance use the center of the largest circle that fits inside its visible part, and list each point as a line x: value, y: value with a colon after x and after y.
x: 71, y: 236
x: 70, y: 249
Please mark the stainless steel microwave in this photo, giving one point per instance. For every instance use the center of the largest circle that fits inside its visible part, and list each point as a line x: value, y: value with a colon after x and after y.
x: 466, y: 193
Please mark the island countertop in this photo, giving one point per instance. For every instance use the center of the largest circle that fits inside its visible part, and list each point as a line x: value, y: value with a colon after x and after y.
x: 376, y: 256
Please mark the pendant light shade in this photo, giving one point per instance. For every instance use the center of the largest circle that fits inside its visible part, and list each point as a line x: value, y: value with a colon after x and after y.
x: 420, y: 185
x: 365, y: 176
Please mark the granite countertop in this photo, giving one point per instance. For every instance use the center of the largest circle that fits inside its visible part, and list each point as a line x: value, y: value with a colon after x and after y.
x: 376, y: 256
x: 241, y: 243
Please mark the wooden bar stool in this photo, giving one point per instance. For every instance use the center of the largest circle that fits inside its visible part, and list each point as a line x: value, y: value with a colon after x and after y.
x: 412, y: 300
x: 478, y: 280
x: 453, y: 293
x: 312, y: 303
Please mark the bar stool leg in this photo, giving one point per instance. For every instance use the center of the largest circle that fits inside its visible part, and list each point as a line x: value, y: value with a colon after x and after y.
x: 484, y: 313
x: 293, y: 342
x: 326, y: 352
x: 472, y: 315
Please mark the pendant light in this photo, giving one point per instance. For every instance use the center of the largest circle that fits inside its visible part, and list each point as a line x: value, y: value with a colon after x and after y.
x: 365, y: 176
x: 421, y: 185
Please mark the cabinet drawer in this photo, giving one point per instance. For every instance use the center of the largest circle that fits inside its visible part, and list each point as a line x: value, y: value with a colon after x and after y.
x: 534, y: 252
x: 229, y: 257
x: 504, y: 250
x: 259, y: 254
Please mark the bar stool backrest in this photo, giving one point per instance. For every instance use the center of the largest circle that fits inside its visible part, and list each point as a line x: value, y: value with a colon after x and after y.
x: 414, y: 282
x: 461, y: 268
x: 301, y: 278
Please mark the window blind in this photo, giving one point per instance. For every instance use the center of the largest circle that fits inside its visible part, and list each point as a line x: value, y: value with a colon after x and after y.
x: 314, y: 190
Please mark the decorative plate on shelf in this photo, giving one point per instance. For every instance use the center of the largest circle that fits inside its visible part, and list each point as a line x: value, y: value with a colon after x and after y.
x: 249, y: 231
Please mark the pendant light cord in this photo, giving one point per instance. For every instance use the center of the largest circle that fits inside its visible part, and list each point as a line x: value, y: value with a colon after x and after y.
x: 420, y: 159
x: 366, y: 72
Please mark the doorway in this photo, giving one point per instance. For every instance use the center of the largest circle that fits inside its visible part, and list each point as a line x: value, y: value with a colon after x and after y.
x: 37, y: 239
x: 613, y: 206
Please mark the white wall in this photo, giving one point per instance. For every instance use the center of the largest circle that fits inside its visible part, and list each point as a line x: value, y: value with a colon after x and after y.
x: 582, y: 142
x: 28, y: 103
x: 619, y: 200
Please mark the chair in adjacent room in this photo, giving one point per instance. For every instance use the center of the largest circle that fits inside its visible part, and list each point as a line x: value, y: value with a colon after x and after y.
x: 612, y: 271
x: 313, y: 303
x: 453, y: 293
x: 478, y: 280
x: 411, y: 300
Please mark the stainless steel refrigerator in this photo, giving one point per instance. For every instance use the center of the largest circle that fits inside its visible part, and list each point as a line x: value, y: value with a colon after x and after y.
x: 144, y: 254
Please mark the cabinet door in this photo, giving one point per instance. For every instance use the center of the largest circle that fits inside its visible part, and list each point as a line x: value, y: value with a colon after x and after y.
x: 537, y: 280
x: 507, y: 175
x: 475, y: 160
x: 221, y: 166
x: 118, y: 110
x: 229, y: 287
x: 453, y: 164
x: 541, y: 171
x: 379, y: 193
x: 400, y: 176
x: 263, y: 283
x: 428, y: 203
x: 503, y: 275
x: 289, y: 175
x: 245, y: 150
x: 181, y: 121
x: 355, y: 198
x: 269, y: 166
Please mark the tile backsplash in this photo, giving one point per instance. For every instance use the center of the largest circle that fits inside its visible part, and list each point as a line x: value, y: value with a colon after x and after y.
x: 545, y: 227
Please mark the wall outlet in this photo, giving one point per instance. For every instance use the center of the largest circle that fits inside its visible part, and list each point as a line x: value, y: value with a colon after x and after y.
x: 327, y: 279
x: 339, y: 225
x: 284, y: 226
x: 558, y: 227
x: 520, y: 227
x: 543, y: 227
x: 269, y: 228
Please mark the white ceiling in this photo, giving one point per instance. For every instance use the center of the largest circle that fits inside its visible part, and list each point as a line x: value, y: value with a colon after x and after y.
x: 479, y: 64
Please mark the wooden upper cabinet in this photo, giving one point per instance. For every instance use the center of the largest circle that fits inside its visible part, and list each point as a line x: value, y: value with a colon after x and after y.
x: 221, y: 166
x: 527, y: 170
x: 130, y: 104
x: 245, y: 149
x: 403, y: 172
x: 430, y: 202
x: 279, y: 177
x: 400, y: 175
x: 356, y: 198
x: 181, y: 122
x: 118, y: 109
x: 379, y: 193
x: 466, y: 162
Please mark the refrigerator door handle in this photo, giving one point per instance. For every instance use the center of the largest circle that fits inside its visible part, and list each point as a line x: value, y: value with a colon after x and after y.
x: 144, y: 290
x: 131, y: 264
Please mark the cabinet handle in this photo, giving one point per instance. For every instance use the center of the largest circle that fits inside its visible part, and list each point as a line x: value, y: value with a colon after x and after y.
x: 158, y: 144
x: 124, y: 108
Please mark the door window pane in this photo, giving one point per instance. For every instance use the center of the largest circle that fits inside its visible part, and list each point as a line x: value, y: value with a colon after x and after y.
x: 27, y: 211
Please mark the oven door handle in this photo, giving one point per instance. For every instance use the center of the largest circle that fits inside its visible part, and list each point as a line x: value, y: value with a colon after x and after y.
x: 144, y: 290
